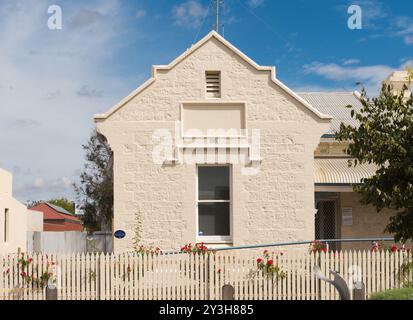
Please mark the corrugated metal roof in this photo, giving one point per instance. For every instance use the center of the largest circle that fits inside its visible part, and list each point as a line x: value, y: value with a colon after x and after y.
x: 334, y: 104
x: 337, y: 171
x: 59, y: 209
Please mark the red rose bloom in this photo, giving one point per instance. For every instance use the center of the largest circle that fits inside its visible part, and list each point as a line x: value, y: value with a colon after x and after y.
x: 393, y: 249
x: 23, y: 274
x: 270, y: 262
x: 259, y: 260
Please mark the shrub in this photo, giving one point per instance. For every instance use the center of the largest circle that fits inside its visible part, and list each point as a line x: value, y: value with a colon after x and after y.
x: 398, y: 294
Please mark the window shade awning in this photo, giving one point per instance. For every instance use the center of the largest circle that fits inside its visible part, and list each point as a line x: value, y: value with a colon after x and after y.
x: 336, y: 171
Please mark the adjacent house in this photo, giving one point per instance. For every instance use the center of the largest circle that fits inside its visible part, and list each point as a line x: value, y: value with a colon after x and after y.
x: 13, y: 217
x: 56, y: 218
x: 214, y: 148
x: 339, y: 212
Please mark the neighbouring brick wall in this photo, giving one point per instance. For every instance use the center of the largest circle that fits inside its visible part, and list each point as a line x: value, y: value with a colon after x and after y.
x: 331, y: 148
x: 367, y: 222
x: 277, y: 204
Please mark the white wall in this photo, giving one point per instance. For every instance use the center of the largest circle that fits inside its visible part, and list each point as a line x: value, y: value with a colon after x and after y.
x: 68, y: 242
x: 56, y: 242
x: 34, y: 221
x: 17, y: 221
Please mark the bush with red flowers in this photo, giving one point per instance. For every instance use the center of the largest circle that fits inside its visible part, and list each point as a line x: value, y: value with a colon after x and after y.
x: 197, y: 249
x: 380, y: 246
x: 142, y: 250
x: 269, y: 267
x: 318, y: 246
x: 28, y: 276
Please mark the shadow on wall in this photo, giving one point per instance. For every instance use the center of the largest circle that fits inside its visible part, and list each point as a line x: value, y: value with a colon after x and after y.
x: 69, y: 242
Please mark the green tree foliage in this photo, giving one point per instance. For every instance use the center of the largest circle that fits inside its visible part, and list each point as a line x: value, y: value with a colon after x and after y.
x: 385, y: 138
x: 95, y: 191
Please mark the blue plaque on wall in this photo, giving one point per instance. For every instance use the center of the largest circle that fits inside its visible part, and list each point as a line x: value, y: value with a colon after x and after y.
x: 120, y: 234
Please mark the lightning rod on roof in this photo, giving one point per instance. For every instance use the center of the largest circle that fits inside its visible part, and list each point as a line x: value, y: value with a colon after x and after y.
x: 216, y: 8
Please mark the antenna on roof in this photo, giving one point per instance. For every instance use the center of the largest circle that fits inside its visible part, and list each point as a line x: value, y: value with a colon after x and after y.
x: 216, y: 8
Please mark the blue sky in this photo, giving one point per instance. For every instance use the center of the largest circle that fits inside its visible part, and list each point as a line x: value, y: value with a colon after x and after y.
x: 52, y: 82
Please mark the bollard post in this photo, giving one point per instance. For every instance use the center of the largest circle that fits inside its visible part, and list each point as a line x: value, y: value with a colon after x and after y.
x: 51, y: 294
x: 228, y: 293
x: 359, y: 291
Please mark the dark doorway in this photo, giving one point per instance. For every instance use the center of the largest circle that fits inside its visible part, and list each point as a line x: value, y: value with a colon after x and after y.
x: 325, y: 221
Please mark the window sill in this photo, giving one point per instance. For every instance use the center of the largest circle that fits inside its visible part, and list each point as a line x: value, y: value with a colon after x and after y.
x: 215, y: 242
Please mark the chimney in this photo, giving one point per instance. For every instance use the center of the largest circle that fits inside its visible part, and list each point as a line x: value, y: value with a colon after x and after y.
x: 400, y: 81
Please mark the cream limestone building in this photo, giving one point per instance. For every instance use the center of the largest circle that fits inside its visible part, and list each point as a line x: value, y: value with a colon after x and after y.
x: 269, y: 170
x: 213, y: 86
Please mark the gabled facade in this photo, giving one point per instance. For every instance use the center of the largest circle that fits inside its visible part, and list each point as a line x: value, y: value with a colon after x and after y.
x: 263, y: 190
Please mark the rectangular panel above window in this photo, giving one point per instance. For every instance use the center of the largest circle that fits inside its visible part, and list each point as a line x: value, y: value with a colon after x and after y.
x: 213, y: 84
x: 213, y: 120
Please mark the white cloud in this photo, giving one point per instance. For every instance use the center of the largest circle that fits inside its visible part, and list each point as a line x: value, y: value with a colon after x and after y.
x: 44, y: 189
x: 189, y: 14
x: 370, y: 76
x: 255, y: 3
x: 315, y: 88
x: 379, y: 18
x: 373, y: 11
x: 87, y: 92
x: 407, y: 63
x: 351, y: 62
x: 140, y: 14
x: 404, y: 29
x: 67, y: 182
x: 39, y: 183
x: 86, y: 18
x: 334, y: 71
x: 408, y: 39
x: 51, y: 85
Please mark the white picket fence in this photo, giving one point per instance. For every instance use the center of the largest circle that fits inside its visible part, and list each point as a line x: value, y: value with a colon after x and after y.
x: 188, y: 277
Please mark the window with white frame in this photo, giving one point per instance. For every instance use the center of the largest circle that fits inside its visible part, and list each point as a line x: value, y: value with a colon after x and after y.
x: 214, y: 203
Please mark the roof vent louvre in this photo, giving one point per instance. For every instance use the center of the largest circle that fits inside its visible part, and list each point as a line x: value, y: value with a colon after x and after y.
x: 213, y: 84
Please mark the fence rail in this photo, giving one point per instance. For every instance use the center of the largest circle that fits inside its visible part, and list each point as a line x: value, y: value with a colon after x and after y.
x: 188, y: 277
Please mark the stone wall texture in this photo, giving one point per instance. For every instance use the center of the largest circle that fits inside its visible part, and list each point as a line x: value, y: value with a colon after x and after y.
x: 156, y: 205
